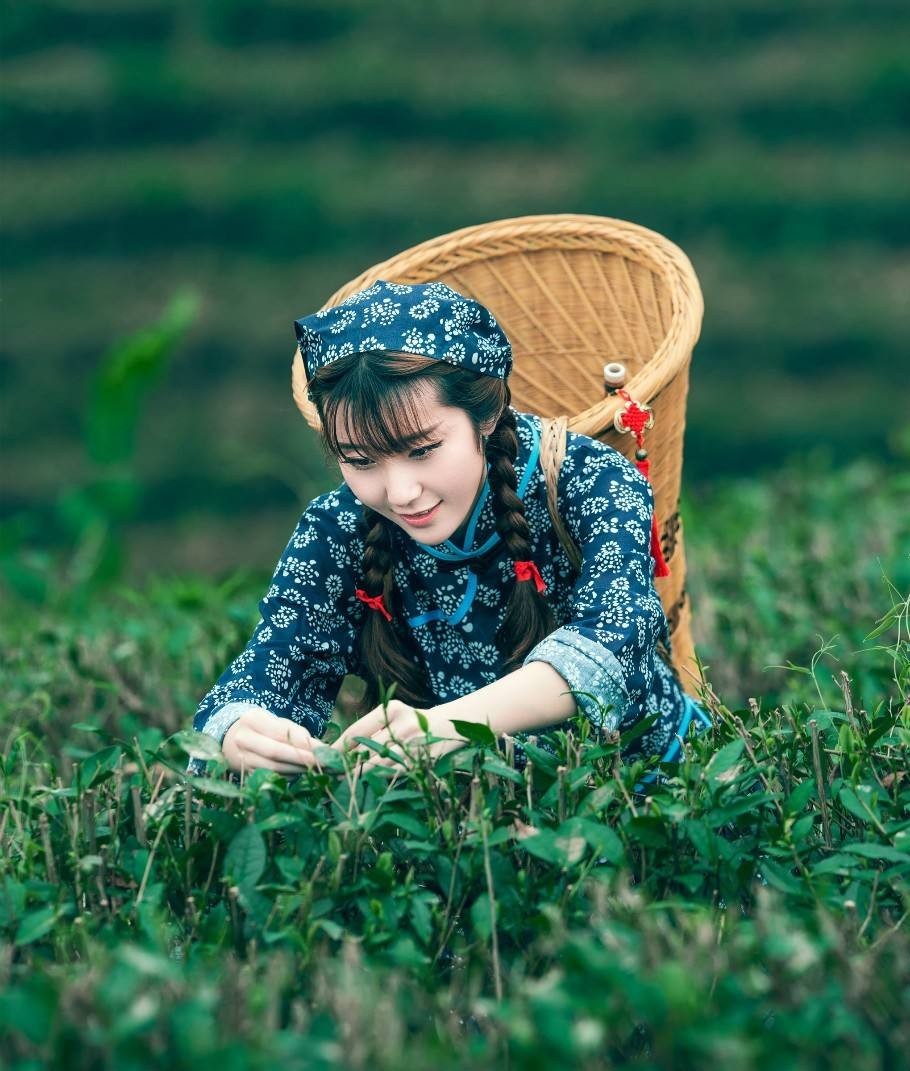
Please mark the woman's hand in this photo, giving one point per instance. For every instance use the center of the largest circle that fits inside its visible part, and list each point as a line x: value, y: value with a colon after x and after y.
x: 259, y: 740
x: 398, y: 721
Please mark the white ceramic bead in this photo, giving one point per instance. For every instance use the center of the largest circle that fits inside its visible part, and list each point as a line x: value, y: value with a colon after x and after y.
x: 614, y: 374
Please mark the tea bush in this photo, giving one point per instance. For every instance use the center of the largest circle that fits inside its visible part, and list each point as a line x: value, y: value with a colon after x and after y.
x: 750, y: 906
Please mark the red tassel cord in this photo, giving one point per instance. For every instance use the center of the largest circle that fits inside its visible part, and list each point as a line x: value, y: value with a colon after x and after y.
x: 529, y: 571
x: 374, y: 602
x: 637, y: 419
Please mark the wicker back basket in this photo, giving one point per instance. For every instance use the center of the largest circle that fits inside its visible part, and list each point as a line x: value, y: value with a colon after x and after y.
x: 572, y: 293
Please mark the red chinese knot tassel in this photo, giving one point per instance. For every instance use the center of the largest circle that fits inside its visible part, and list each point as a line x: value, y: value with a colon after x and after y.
x: 637, y: 419
x: 529, y: 571
x: 374, y: 602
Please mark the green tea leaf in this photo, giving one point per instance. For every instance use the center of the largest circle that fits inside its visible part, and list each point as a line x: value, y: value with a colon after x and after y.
x: 542, y: 759
x: 877, y: 851
x: 482, y: 918
x: 197, y: 745
x: 475, y: 731
x: 723, y: 767
x: 854, y: 804
x: 35, y: 925
x: 780, y: 878
x: 246, y: 857
x: 96, y: 768
x: 402, y: 820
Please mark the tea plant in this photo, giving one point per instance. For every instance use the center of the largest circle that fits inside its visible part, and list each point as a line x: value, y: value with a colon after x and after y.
x: 749, y: 906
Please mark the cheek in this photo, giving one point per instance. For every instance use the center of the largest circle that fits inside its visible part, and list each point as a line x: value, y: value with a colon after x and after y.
x: 359, y: 482
x: 467, y: 474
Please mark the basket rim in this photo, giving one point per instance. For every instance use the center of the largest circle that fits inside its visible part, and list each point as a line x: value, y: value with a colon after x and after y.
x: 485, y: 241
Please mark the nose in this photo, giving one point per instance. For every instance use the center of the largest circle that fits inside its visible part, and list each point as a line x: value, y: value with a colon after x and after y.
x: 402, y: 488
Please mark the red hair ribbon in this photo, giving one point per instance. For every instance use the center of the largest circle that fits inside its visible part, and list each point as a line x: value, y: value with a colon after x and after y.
x: 636, y: 418
x: 374, y: 602
x: 529, y: 571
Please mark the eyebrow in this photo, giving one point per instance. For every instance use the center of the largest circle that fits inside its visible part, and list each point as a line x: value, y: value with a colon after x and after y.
x: 417, y: 437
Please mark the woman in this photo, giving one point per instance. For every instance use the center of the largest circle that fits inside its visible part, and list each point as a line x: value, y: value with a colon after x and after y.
x: 435, y: 565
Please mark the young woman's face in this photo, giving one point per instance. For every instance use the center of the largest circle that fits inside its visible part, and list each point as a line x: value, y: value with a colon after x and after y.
x: 430, y: 488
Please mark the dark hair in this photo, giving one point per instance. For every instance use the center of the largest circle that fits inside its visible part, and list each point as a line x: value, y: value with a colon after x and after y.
x: 378, y: 397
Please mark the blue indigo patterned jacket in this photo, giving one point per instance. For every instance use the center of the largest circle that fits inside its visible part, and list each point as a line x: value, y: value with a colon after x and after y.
x: 609, y: 617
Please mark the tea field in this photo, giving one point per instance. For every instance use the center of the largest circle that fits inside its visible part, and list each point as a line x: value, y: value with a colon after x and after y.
x: 750, y: 907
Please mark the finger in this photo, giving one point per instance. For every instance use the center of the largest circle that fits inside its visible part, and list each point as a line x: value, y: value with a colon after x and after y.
x: 287, y: 731
x: 365, y: 726
x: 248, y: 763
x: 275, y: 751
x: 397, y: 759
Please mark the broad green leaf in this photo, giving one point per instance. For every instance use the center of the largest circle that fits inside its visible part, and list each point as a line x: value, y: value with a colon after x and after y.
x: 877, y: 851
x: 475, y: 731
x: 855, y: 805
x: 598, y: 799
x: 35, y: 925
x: 802, y: 827
x: 226, y: 789
x: 542, y: 759
x: 552, y: 848
x: 835, y: 863
x: 246, y: 857
x: 408, y: 822
x: 723, y: 767
x: 482, y: 918
x: 257, y: 906
x: 197, y: 745
x: 501, y: 769
x: 332, y: 929
x: 96, y: 768
x: 799, y: 797
x: 279, y: 821
x: 421, y: 919
x: 601, y: 837
x: 780, y: 878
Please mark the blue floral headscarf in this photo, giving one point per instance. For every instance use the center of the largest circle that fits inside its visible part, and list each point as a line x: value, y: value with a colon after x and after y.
x: 428, y: 319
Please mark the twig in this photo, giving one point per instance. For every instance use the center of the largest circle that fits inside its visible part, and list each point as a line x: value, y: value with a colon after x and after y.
x: 151, y: 858
x: 491, y: 893
x: 48, y: 850
x: 820, y: 782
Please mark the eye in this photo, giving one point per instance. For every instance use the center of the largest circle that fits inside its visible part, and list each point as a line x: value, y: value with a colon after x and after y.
x: 423, y: 451
x: 356, y: 462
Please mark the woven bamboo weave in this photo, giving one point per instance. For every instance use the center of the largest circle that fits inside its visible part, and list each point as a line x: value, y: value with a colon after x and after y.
x: 573, y: 292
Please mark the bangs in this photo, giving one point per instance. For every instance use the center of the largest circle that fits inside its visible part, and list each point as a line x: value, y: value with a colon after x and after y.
x: 375, y: 416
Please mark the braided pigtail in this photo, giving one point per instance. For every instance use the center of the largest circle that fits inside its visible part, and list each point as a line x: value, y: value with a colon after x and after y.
x: 383, y: 655
x: 528, y: 617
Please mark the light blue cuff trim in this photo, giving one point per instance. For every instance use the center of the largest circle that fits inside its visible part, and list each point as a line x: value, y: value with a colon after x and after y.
x: 223, y: 718
x: 217, y: 725
x: 591, y: 671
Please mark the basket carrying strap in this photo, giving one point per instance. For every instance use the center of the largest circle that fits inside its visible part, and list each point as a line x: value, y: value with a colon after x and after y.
x: 552, y: 451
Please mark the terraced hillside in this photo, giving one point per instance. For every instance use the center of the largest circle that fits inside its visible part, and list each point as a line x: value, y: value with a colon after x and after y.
x: 262, y: 153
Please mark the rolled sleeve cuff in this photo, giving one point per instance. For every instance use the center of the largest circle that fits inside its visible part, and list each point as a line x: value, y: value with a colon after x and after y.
x: 592, y: 672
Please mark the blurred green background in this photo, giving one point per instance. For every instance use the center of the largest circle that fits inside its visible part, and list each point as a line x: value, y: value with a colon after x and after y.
x: 253, y: 156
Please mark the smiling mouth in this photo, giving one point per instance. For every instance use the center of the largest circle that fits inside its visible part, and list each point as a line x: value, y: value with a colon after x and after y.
x: 417, y: 516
